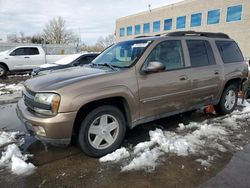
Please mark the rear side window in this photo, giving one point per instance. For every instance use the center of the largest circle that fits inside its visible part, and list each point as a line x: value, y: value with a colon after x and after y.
x: 169, y: 53
x: 33, y: 51
x: 200, y: 53
x: 229, y: 51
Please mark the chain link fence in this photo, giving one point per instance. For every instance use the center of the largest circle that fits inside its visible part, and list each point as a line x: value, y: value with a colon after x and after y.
x: 50, y: 49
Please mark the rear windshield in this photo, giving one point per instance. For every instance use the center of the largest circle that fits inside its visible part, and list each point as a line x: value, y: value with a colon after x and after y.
x: 229, y: 51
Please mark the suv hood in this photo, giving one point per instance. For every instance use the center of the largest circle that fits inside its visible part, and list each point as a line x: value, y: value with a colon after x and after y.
x: 62, y: 78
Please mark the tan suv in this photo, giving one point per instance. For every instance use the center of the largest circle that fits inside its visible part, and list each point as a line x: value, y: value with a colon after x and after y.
x: 131, y: 83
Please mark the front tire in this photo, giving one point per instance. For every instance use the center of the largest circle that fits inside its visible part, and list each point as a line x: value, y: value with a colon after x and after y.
x: 228, y: 100
x: 102, y: 131
x: 3, y: 71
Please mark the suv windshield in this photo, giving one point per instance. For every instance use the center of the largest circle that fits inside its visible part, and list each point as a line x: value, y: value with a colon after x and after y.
x: 123, y: 54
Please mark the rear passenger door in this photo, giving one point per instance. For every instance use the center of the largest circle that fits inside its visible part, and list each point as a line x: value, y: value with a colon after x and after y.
x: 166, y: 91
x: 205, y: 72
x: 36, y: 58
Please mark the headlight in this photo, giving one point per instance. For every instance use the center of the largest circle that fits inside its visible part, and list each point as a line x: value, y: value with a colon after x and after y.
x: 47, y: 103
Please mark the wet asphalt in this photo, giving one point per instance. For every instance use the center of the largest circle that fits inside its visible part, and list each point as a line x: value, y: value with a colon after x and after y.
x: 69, y: 167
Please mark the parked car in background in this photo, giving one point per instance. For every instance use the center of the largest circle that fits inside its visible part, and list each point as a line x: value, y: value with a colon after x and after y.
x: 24, y: 58
x: 67, y: 62
x: 131, y: 83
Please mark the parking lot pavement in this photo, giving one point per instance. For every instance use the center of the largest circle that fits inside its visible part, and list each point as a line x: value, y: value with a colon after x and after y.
x: 235, y: 174
x: 69, y: 167
x: 8, y: 118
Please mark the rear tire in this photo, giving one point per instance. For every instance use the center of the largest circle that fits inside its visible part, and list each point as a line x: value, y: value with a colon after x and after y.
x: 3, y: 71
x: 228, y: 100
x: 102, y: 131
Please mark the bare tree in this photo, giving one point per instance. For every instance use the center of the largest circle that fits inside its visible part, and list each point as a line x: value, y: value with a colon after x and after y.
x: 13, y: 38
x: 106, y: 41
x: 55, y: 32
x: 22, y: 37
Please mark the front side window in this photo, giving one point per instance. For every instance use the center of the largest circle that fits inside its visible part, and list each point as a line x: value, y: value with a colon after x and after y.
x: 18, y: 52
x: 200, y: 53
x: 229, y: 51
x: 123, y: 54
x: 122, y: 32
x: 146, y: 28
x: 213, y: 17
x: 168, y: 24
x: 181, y: 22
x: 169, y: 53
x: 196, y: 20
x: 129, y: 30
x: 234, y: 13
x: 156, y: 26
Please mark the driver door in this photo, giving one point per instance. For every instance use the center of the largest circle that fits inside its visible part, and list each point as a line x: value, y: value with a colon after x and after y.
x: 166, y: 91
x: 20, y: 59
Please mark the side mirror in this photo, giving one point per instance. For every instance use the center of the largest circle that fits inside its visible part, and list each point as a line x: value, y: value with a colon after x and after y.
x: 154, y: 66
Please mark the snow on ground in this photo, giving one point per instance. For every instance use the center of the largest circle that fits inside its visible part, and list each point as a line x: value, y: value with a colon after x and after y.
x: 205, y: 138
x: 116, y: 156
x: 18, y: 75
x: 11, y: 157
x: 10, y: 89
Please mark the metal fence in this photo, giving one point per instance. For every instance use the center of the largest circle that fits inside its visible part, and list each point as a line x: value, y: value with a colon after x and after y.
x: 50, y: 49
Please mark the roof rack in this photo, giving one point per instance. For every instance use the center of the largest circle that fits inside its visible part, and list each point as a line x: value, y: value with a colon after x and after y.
x: 141, y: 37
x: 195, y: 33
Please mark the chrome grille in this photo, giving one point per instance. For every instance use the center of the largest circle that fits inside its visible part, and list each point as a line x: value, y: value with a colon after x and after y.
x: 29, y: 96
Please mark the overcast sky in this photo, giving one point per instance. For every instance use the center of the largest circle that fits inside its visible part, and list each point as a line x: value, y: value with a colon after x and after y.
x: 89, y: 18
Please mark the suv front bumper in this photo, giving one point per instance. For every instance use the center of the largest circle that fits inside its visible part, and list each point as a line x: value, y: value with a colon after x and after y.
x: 57, y: 129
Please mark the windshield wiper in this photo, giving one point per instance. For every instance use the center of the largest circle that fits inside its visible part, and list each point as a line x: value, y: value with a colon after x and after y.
x: 105, y: 64
x: 109, y: 65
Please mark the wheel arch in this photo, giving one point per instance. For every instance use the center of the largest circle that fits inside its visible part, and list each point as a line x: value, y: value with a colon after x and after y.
x: 119, y: 102
x: 5, y: 65
x: 237, y: 81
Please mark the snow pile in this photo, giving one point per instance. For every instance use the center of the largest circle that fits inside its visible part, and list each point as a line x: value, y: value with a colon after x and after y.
x: 18, y: 75
x: 116, y: 156
x: 7, y: 138
x: 10, y: 89
x: 12, y: 157
x: 204, y: 138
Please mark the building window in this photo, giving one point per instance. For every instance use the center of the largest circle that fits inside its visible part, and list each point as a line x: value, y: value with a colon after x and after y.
x: 196, y: 20
x: 181, y: 22
x: 168, y: 24
x: 213, y: 17
x: 156, y: 26
x: 122, y: 32
x: 129, y: 30
x: 137, y: 29
x: 146, y: 28
x: 234, y: 13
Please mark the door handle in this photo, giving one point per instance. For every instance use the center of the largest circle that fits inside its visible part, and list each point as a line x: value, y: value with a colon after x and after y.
x: 26, y: 57
x: 184, y: 77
